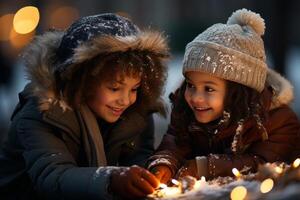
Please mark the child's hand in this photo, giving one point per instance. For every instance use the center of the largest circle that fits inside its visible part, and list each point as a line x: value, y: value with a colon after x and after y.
x: 133, y: 182
x: 162, y: 173
x: 188, y: 169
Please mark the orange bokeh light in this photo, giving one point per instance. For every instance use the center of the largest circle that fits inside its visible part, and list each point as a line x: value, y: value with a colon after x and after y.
x: 18, y: 41
x: 62, y: 17
x: 26, y: 19
x: 6, y: 24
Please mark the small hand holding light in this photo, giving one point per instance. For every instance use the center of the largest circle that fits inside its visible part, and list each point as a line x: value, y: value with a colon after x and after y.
x: 162, y: 173
x: 133, y: 182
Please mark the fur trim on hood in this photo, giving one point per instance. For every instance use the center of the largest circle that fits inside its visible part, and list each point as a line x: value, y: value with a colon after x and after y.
x: 152, y: 42
x: 40, y: 61
x: 283, y: 89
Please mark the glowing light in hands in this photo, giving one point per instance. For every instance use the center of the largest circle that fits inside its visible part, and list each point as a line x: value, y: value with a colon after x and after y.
x: 175, y: 182
x: 161, y: 185
x: 200, y: 182
x: 165, y: 191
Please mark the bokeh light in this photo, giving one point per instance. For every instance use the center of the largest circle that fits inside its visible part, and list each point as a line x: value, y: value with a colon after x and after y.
x: 62, y: 17
x: 278, y: 169
x: 18, y: 41
x: 267, y: 185
x: 236, y: 172
x: 6, y: 24
x: 238, y: 193
x: 26, y: 19
x: 296, y: 163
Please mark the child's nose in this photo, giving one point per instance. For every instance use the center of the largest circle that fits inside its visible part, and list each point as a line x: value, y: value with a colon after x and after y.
x: 124, y: 100
x: 197, y: 97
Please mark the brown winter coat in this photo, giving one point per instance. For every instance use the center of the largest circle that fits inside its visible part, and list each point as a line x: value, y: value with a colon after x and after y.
x: 283, y: 128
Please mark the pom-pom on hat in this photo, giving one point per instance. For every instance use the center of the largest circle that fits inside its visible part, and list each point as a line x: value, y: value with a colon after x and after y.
x: 233, y: 51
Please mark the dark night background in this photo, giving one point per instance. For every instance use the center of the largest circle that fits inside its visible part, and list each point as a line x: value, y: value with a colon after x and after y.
x: 181, y: 20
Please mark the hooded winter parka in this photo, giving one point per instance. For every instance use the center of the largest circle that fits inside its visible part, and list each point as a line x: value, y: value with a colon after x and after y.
x: 184, y: 141
x: 54, y: 151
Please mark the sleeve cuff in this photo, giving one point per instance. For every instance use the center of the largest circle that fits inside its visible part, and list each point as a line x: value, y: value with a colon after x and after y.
x: 99, y: 186
x: 201, y: 162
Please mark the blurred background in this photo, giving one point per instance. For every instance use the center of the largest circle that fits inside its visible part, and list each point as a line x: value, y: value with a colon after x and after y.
x: 180, y: 20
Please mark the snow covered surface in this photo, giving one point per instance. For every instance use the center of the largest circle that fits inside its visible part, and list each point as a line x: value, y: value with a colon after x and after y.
x: 215, y: 192
x: 272, y: 181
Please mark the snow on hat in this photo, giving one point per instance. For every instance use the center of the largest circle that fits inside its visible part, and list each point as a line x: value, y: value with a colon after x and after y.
x: 89, y: 27
x: 232, y: 51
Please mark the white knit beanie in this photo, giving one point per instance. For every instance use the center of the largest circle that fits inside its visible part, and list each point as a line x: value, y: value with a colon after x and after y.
x: 233, y: 51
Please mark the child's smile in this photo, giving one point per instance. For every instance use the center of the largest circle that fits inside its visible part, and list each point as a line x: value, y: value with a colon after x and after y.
x: 201, y: 108
x: 205, y: 95
x: 201, y: 112
x: 116, y: 111
x: 112, y: 98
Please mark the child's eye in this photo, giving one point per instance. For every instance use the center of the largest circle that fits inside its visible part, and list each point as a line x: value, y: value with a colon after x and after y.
x: 134, y: 89
x: 114, y: 89
x: 209, y: 89
x: 189, y: 85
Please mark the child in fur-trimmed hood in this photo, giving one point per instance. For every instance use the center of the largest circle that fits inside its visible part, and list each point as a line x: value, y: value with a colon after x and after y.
x: 232, y: 110
x: 84, y: 122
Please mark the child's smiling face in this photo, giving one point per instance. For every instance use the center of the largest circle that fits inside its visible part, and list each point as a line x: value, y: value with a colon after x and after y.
x: 205, y: 95
x: 113, y: 97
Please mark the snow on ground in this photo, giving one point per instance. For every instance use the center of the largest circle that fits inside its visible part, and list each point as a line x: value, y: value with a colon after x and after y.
x: 215, y: 192
x: 268, y: 183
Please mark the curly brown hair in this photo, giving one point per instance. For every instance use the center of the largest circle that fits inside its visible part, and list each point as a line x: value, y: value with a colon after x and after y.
x: 243, y: 102
x: 91, y: 73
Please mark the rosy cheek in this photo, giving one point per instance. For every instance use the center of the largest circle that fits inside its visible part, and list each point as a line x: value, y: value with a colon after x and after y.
x: 132, y: 100
x: 100, y: 100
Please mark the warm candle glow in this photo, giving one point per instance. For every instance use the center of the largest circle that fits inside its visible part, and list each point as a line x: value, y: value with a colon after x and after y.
x: 296, y: 163
x: 175, y: 182
x: 279, y: 170
x: 26, y: 19
x: 162, y: 185
x: 236, y: 172
x: 203, y: 178
x: 266, y: 186
x: 165, y: 191
x: 200, y: 182
x: 238, y: 193
x: 170, y: 191
x: 18, y: 41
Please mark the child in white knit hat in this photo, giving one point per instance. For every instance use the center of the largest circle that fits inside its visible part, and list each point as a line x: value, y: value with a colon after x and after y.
x: 232, y: 110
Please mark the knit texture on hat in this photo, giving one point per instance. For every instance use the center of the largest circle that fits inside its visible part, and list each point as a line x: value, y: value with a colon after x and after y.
x: 89, y: 27
x: 232, y: 51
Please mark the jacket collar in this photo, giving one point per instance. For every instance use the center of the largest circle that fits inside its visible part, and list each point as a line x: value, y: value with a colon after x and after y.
x: 83, y: 120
